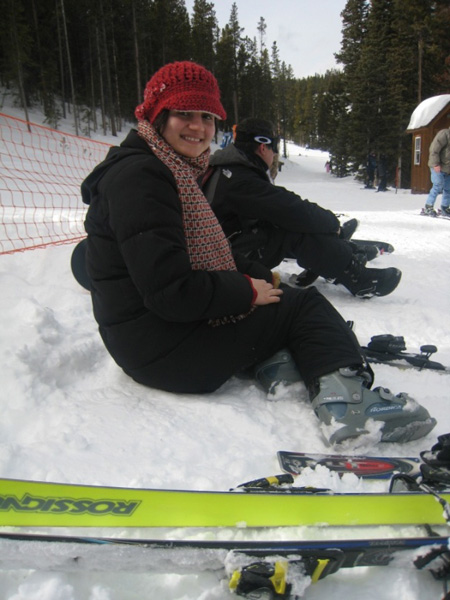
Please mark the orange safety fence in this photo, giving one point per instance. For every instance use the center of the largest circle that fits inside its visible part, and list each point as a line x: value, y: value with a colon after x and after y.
x: 41, y: 170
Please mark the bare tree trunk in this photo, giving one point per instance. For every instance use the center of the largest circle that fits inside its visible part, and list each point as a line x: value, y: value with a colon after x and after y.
x: 91, y: 68
x: 419, y: 74
x: 75, y: 108
x: 109, y: 95
x: 19, y: 63
x: 100, y: 71
x: 235, y: 106
x: 61, y: 62
x: 115, y: 76
x: 43, y: 90
x: 136, y: 55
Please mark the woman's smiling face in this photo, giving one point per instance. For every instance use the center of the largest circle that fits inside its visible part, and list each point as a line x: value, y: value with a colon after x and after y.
x: 189, y: 132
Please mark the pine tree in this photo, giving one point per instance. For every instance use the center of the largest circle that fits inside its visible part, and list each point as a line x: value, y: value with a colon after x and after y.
x: 17, y: 51
x: 170, y: 31
x: 436, y: 56
x: 225, y: 72
x: 262, y: 28
x: 354, y: 32
x: 228, y: 48
x: 204, y: 33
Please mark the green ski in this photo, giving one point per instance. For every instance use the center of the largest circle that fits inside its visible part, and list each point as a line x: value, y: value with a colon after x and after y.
x: 43, y: 504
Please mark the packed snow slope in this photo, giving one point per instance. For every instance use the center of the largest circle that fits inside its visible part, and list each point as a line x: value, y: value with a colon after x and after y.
x: 69, y: 414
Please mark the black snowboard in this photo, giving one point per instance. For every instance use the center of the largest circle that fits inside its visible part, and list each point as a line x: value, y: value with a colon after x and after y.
x: 390, y: 349
x: 383, y: 247
x: 404, y: 360
x: 78, y: 265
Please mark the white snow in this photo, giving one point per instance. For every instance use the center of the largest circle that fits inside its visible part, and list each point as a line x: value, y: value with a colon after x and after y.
x: 69, y: 414
x: 427, y: 110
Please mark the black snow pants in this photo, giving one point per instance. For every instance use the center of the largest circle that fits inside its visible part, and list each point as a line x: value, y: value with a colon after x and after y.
x: 324, y: 254
x: 304, y: 321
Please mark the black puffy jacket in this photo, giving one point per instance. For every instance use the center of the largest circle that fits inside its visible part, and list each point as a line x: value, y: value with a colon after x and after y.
x: 245, y: 198
x: 146, y: 298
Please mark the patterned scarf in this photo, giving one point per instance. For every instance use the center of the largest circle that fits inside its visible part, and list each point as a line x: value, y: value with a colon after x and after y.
x: 207, y: 246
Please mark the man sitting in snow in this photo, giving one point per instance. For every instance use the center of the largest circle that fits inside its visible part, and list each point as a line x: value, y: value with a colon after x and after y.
x: 268, y: 223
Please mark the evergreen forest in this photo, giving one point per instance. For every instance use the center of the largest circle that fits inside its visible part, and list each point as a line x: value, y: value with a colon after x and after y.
x: 83, y: 59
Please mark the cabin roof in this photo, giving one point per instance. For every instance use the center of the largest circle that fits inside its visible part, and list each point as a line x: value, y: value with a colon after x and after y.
x: 427, y: 110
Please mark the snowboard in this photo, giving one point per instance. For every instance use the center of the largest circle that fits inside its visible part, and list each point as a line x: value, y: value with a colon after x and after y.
x: 404, y: 360
x: 383, y: 247
x: 78, y: 265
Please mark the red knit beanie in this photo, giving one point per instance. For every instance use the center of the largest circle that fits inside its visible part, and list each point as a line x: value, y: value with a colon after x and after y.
x: 181, y: 86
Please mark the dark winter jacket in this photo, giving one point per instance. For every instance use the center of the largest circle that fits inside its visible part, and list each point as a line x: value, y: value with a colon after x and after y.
x: 371, y: 163
x: 146, y: 298
x: 244, y: 199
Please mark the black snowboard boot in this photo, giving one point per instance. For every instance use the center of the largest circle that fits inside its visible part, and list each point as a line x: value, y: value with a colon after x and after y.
x: 348, y: 229
x: 368, y: 252
x: 366, y: 283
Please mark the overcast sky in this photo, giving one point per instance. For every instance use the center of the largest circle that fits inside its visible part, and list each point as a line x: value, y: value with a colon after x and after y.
x: 307, y: 32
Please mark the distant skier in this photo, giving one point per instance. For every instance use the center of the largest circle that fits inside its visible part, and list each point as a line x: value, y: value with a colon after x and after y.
x: 382, y: 173
x: 227, y: 138
x: 370, y: 169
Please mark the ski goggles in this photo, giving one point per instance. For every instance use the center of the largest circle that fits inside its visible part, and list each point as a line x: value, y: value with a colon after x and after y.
x: 271, y: 142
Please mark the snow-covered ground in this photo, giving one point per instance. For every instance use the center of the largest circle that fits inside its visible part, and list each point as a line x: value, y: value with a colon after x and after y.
x: 69, y: 414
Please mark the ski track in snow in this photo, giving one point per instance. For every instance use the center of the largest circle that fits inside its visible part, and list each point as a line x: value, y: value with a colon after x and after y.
x: 70, y: 414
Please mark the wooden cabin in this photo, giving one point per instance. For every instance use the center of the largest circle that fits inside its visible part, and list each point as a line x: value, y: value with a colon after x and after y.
x: 432, y: 115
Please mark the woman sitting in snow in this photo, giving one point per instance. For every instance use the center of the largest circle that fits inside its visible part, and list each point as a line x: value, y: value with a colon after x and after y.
x: 177, y: 312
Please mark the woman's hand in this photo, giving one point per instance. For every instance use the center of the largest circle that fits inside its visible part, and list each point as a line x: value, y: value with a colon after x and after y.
x: 266, y: 293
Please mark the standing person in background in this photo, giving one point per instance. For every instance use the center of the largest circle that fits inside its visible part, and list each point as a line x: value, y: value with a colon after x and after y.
x: 382, y: 173
x: 439, y: 163
x: 370, y: 169
x: 177, y: 311
x: 227, y: 138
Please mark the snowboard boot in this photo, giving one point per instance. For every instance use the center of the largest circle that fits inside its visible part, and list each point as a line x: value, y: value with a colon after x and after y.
x: 366, y: 283
x: 368, y: 252
x: 362, y: 253
x: 343, y: 401
x: 348, y: 229
x: 445, y: 210
x: 279, y: 368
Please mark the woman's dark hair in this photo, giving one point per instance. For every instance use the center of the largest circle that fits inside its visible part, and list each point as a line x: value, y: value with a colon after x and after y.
x: 161, y: 121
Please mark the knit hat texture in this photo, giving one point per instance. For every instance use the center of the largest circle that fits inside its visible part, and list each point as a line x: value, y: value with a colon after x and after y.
x: 181, y: 86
